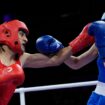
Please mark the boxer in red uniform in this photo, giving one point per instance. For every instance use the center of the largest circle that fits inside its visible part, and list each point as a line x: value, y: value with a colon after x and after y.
x: 13, y: 58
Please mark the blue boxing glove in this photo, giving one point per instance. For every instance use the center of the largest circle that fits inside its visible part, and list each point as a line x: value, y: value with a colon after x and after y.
x: 48, y: 45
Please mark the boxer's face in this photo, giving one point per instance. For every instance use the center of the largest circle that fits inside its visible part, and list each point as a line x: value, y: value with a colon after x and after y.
x: 23, y: 39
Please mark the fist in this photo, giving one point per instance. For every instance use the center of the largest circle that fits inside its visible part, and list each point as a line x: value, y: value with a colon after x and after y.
x: 48, y: 44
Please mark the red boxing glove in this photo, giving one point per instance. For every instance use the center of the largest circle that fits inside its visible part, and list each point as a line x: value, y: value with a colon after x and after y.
x: 82, y: 40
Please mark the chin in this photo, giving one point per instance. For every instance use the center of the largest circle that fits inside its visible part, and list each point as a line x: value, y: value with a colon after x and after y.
x: 23, y: 48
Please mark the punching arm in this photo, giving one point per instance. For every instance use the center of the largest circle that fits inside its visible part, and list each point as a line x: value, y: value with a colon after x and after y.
x: 39, y: 60
x: 51, y: 53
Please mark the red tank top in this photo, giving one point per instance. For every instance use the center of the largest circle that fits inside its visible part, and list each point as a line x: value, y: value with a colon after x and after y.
x: 10, y: 77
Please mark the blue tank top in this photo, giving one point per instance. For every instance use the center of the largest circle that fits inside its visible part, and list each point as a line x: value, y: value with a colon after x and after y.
x: 101, y: 68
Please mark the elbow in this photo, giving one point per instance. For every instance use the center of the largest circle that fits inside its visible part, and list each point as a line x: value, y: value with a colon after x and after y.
x: 74, y: 67
x: 54, y: 63
x: 73, y: 63
x: 57, y: 63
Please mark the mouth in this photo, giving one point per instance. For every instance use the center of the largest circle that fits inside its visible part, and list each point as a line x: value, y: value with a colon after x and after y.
x: 24, y: 44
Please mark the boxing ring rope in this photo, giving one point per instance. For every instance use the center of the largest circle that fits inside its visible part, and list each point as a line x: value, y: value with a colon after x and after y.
x: 22, y: 91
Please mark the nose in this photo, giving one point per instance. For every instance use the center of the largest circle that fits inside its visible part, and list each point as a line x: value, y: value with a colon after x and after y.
x: 25, y: 39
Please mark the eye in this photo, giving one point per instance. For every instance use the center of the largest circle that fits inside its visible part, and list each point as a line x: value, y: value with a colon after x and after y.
x: 22, y: 33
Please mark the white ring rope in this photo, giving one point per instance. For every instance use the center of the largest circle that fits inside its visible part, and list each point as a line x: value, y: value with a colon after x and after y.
x: 50, y: 87
x: 59, y: 86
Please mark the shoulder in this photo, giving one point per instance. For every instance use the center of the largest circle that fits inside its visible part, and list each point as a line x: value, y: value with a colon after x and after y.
x: 24, y: 57
x: 97, y: 23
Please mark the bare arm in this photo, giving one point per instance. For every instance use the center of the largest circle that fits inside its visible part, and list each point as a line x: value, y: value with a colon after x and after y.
x: 39, y: 60
x: 85, y: 58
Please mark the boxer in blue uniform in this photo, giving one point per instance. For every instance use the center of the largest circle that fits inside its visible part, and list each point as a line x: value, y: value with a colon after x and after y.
x: 96, y: 30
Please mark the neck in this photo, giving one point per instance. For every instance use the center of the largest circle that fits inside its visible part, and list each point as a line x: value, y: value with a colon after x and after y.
x: 7, y: 56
